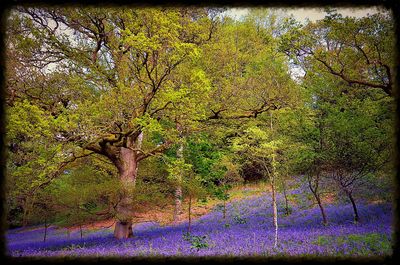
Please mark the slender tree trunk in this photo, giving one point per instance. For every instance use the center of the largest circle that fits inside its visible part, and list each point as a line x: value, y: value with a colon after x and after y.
x: 178, y: 203
x: 224, y: 211
x: 80, y: 228
x: 28, y: 204
x: 178, y: 190
x: 356, y: 216
x: 190, y: 214
x: 314, y: 190
x: 272, y: 179
x: 45, y: 229
x: 24, y: 217
x: 275, y: 215
x: 321, y: 207
x: 286, y: 198
x: 139, y: 145
x: 274, y: 205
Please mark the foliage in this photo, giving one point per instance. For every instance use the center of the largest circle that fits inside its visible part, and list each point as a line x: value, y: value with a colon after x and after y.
x: 354, y: 50
x: 371, y: 242
x: 196, y: 242
x: 83, y: 194
x: 101, y: 102
x: 239, y: 219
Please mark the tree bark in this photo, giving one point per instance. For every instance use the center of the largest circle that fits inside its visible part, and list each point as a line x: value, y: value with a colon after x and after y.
x: 127, y: 168
x: 321, y: 207
x: 178, y: 203
x: 25, y: 218
x: 356, y: 216
x: 190, y: 214
x: 224, y: 211
x: 178, y: 191
x: 139, y: 145
x: 275, y: 209
x: 314, y: 191
x: 123, y: 230
x: 125, y: 153
x: 45, y: 230
x: 28, y: 204
x: 286, y: 198
x: 272, y: 179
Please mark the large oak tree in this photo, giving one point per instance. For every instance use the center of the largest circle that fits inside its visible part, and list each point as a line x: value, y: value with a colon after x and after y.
x: 126, y: 59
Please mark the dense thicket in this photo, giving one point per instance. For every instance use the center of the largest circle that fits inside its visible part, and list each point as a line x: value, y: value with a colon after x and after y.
x: 110, y: 109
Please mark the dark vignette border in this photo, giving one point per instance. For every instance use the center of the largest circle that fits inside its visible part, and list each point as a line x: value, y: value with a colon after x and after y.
x: 393, y: 5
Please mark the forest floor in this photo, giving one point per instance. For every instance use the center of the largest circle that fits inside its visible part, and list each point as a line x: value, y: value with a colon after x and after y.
x: 247, y: 230
x: 164, y: 215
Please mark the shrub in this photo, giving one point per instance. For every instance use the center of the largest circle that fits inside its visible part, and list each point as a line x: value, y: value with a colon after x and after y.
x: 239, y: 220
x: 197, y: 242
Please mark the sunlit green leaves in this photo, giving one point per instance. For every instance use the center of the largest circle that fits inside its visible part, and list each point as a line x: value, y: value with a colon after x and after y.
x: 28, y: 120
x: 355, y: 50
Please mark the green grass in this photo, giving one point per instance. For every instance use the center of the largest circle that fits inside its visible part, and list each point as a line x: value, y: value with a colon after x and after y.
x: 366, y: 244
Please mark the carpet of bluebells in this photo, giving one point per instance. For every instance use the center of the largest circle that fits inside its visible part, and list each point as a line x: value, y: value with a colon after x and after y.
x: 247, y: 230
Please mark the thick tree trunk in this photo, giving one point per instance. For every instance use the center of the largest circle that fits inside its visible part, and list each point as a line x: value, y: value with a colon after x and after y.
x: 127, y: 167
x: 125, y: 155
x: 123, y: 230
x: 356, y: 216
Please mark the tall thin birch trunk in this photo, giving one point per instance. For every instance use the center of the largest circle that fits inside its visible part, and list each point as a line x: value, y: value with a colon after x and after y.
x: 139, y: 145
x: 178, y: 203
x: 178, y: 190
x: 190, y: 213
x: 275, y: 210
x: 273, y: 186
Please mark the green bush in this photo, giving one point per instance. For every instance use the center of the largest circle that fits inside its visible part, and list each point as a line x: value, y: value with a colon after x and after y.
x: 196, y: 242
